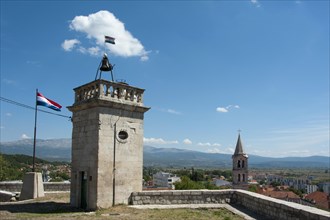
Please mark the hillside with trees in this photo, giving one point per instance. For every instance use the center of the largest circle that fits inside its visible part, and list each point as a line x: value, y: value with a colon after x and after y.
x: 13, y: 167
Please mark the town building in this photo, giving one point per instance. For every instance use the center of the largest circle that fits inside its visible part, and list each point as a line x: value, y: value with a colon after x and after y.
x: 278, y: 193
x: 162, y: 179
x: 302, y: 183
x: 220, y: 182
x: 325, y: 186
x: 310, y: 188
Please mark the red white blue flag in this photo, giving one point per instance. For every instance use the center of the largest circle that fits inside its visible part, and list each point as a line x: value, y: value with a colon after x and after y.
x: 42, y: 100
x: 110, y: 40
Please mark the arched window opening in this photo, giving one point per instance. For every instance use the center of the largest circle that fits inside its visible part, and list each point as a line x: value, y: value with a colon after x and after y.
x: 238, y: 163
x: 243, y: 163
x: 239, y: 177
x: 243, y: 177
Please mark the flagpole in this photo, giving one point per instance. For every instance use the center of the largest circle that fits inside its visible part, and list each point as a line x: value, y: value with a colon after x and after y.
x: 35, y: 134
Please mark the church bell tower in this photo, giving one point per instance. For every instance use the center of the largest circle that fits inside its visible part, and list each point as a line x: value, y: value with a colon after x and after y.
x: 240, y: 166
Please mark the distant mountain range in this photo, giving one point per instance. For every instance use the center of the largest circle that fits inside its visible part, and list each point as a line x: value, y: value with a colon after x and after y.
x: 60, y: 150
x: 51, y: 149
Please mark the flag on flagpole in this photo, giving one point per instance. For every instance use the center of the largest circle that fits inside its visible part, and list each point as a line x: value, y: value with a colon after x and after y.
x: 41, y: 100
x: 110, y: 40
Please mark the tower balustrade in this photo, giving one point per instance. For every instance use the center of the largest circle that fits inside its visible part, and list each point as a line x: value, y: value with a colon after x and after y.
x: 108, y: 90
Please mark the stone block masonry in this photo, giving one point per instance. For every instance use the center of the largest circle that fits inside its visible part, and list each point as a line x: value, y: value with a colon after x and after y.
x: 48, y: 186
x: 167, y: 197
x: 262, y: 205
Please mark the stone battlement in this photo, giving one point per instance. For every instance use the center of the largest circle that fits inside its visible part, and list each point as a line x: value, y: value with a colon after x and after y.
x: 48, y: 186
x: 265, y: 206
x: 106, y: 90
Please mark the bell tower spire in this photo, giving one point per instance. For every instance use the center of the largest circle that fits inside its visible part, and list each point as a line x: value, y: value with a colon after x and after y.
x: 239, y: 146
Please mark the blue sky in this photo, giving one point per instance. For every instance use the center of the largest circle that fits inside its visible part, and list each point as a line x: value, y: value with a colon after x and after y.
x: 209, y: 69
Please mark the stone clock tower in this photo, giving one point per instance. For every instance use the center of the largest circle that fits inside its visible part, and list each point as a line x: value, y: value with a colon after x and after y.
x: 240, y: 166
x: 107, y: 144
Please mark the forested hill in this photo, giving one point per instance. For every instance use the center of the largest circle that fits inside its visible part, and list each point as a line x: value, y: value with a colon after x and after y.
x: 13, y: 167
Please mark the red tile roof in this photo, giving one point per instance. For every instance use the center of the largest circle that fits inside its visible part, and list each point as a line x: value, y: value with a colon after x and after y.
x: 281, y: 194
x: 320, y: 199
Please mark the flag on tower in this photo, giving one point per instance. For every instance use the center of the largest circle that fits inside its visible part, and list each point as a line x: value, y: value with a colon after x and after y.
x: 42, y: 100
x: 110, y: 40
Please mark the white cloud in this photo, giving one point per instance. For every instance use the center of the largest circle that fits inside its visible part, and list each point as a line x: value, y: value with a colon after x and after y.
x: 94, y: 51
x: 230, y: 150
x: 8, y: 114
x: 144, y: 57
x: 256, y: 3
x: 219, y: 151
x: 187, y: 141
x: 2, y: 127
x: 104, y: 23
x: 68, y: 45
x: 222, y: 109
x: 173, y: 112
x: 227, y: 108
x: 158, y: 141
x: 213, y: 151
x: 207, y: 144
x: 24, y: 136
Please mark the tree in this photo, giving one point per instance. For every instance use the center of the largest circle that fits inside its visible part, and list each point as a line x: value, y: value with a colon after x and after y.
x: 197, y: 175
x: 262, y: 182
x: 57, y: 176
x: 210, y: 185
x: 253, y: 188
x: 2, y: 166
x: 186, y: 183
x: 10, y: 169
x: 275, y: 184
x: 299, y: 192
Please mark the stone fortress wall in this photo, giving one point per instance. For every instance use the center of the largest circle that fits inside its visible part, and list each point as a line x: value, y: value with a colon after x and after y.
x: 265, y: 206
x: 48, y: 186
